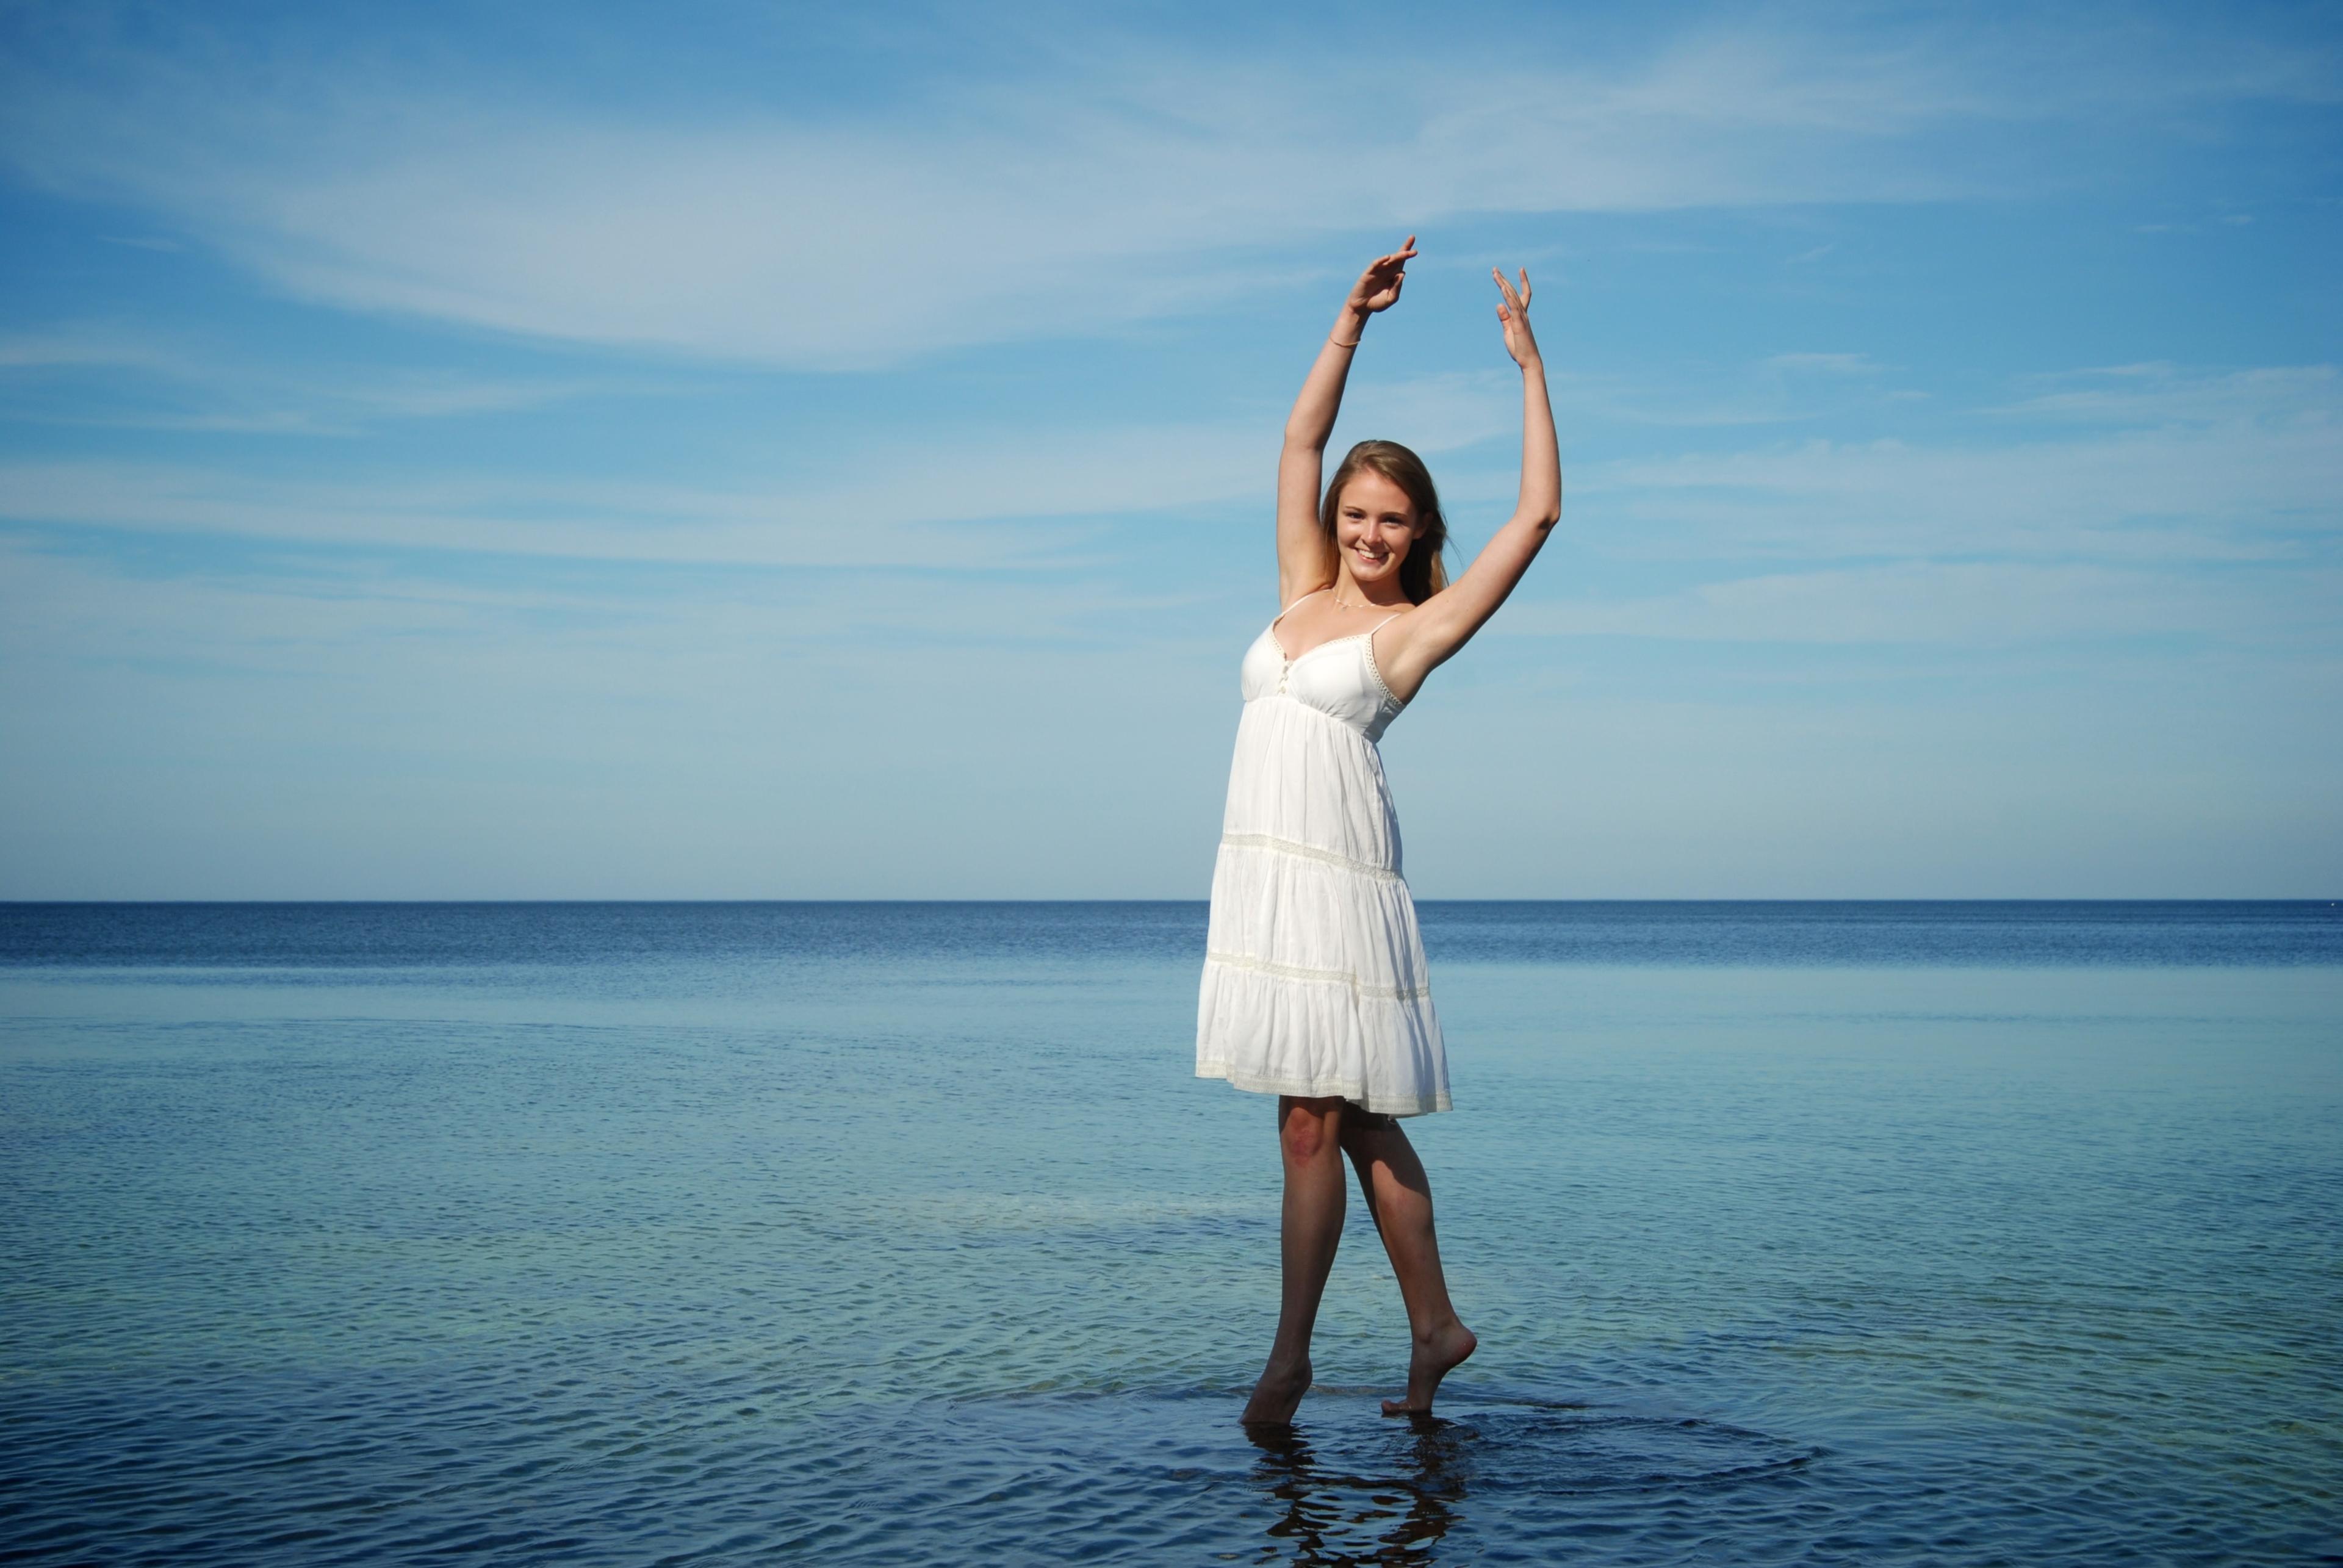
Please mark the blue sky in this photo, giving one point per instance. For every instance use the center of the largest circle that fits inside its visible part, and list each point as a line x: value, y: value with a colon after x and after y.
x: 727, y: 451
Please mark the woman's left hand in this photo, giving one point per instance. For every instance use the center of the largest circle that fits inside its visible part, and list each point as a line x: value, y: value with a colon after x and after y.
x: 1514, y: 314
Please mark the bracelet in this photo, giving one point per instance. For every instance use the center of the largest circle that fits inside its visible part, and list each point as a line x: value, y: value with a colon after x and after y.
x: 1338, y: 343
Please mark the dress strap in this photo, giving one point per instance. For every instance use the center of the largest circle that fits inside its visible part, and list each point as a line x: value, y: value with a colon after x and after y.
x: 1313, y: 593
x: 1375, y: 667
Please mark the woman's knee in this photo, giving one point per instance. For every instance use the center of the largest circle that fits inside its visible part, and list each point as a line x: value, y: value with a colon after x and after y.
x: 1309, y: 1130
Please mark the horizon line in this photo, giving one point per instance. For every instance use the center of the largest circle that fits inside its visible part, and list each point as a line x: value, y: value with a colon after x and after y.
x: 1200, y: 902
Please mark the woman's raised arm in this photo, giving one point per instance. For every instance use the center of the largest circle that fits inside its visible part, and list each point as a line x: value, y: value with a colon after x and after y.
x: 1419, y: 642
x: 1302, y: 559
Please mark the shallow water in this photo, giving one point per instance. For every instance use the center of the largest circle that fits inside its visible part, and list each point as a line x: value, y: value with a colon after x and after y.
x: 899, y: 1235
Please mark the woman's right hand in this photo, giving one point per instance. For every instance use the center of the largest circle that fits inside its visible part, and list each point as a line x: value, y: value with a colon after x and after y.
x: 1378, y: 287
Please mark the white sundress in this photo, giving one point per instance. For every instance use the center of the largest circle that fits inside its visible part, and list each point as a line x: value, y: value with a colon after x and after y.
x: 1314, y: 978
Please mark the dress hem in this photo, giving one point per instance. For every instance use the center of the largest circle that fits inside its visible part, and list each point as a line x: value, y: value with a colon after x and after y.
x: 1306, y: 1088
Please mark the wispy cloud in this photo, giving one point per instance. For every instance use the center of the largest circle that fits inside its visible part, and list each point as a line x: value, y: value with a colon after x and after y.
x: 112, y: 374
x: 1971, y: 604
x: 1107, y: 183
x: 567, y: 519
x: 1039, y: 492
x: 2212, y: 515
x: 87, y: 345
x: 2138, y: 501
x: 2209, y: 466
x: 1824, y: 364
x: 526, y: 454
x: 2161, y: 394
x: 294, y: 610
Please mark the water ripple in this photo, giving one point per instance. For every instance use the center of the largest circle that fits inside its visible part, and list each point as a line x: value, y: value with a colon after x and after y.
x: 871, y: 1264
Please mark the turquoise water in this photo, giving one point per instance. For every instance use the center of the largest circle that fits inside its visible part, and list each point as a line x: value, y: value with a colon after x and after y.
x: 899, y: 1234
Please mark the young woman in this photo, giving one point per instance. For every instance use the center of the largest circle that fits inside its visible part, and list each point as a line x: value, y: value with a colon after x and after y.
x: 1315, y: 987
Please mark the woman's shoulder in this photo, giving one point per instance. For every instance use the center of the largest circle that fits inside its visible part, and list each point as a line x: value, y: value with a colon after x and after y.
x: 1292, y: 593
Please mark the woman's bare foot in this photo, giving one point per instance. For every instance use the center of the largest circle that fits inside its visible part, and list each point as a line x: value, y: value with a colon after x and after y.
x: 1434, y: 1356
x: 1278, y: 1394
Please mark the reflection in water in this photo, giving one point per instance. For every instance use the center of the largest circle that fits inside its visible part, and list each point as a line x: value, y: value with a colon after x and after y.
x: 1352, y: 1498
x: 1334, y: 1519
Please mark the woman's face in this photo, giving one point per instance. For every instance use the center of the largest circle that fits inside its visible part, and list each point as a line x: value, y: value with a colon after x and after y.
x: 1374, y: 524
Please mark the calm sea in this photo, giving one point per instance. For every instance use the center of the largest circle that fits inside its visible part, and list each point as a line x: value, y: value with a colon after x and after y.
x: 900, y: 1234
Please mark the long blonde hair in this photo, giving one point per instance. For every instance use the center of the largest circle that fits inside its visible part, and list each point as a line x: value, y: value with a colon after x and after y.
x: 1424, y: 572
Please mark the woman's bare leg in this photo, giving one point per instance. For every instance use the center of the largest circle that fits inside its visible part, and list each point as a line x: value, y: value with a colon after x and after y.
x: 1399, y: 1196
x: 1310, y: 1138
